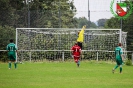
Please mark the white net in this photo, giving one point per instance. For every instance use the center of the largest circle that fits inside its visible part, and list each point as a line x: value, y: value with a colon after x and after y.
x: 63, y: 39
x: 55, y: 43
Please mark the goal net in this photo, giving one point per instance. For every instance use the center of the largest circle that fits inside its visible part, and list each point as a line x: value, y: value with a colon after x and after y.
x: 55, y: 43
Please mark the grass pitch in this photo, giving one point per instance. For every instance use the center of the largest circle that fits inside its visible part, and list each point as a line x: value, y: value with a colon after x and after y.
x: 65, y: 75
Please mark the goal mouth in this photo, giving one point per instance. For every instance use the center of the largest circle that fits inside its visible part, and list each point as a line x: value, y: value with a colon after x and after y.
x: 63, y: 38
x: 55, y: 43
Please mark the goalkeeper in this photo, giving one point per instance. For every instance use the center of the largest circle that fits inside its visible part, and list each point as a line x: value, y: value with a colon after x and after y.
x: 119, y: 57
x: 81, y: 37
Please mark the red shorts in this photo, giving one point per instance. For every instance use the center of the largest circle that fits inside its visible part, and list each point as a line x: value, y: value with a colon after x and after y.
x: 76, y: 58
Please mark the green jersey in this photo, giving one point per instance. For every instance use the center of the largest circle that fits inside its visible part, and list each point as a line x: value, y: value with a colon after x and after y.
x: 118, y: 53
x: 11, y: 48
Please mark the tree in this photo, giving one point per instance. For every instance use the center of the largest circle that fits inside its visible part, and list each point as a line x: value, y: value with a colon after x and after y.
x: 6, y: 33
x: 101, y: 22
x: 40, y: 13
x: 112, y: 23
x: 54, y: 14
x: 83, y: 21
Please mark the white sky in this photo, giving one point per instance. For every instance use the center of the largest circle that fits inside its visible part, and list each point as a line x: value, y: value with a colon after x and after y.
x: 98, y: 9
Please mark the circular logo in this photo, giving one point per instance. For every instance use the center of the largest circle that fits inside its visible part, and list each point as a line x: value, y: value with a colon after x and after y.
x: 122, y: 10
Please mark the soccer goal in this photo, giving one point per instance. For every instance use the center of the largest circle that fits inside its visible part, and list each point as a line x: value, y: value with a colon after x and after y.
x: 55, y: 43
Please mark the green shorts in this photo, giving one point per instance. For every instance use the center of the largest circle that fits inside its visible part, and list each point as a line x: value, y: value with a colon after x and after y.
x: 119, y: 62
x: 12, y: 57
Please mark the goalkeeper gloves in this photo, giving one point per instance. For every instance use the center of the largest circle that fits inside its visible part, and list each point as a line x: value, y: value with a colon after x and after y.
x: 84, y: 27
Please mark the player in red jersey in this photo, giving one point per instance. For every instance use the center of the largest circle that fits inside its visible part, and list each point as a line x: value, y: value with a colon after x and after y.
x: 76, y: 52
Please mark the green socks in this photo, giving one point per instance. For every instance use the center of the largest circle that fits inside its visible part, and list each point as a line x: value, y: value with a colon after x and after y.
x: 9, y: 65
x: 78, y: 63
x: 15, y: 65
x: 115, y: 67
x: 120, y: 69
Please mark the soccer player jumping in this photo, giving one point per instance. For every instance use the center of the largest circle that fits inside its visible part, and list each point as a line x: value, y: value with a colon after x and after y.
x: 12, y: 49
x: 119, y: 57
x: 80, y: 38
x: 76, y: 52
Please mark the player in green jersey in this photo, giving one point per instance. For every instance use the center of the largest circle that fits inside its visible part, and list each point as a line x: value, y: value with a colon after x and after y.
x: 12, y: 50
x: 118, y: 57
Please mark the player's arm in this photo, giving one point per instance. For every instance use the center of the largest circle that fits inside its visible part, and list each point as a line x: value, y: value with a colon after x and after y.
x: 71, y: 51
x: 82, y: 30
x: 122, y: 56
x: 84, y: 27
x: 16, y: 51
x: 80, y: 51
x: 7, y: 48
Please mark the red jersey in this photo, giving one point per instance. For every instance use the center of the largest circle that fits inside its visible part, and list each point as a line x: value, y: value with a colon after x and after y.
x: 76, y: 50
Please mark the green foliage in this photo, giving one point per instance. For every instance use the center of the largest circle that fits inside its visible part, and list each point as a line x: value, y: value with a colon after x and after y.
x: 6, y: 33
x: 128, y: 62
x: 83, y: 21
x: 101, y: 22
x: 56, y: 14
x: 40, y: 13
x: 112, y: 23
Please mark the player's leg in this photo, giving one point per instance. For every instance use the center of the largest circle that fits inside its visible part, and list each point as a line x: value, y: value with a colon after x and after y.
x: 78, y: 63
x: 113, y: 70
x: 14, y: 59
x: 120, y: 68
x: 15, y: 64
x: 121, y: 62
x: 9, y: 63
x: 116, y: 66
x: 76, y: 60
x: 80, y: 44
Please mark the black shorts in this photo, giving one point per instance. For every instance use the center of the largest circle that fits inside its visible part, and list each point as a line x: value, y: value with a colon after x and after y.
x: 80, y: 45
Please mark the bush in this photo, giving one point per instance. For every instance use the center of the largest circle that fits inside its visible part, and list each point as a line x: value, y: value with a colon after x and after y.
x: 128, y: 62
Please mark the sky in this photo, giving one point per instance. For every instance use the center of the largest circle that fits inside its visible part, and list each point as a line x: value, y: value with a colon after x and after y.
x: 98, y: 9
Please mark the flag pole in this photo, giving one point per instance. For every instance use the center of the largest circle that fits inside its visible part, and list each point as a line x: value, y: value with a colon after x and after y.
x: 121, y: 27
x: 88, y: 14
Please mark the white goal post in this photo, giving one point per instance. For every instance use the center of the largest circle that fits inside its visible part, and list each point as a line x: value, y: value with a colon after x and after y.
x: 56, y: 40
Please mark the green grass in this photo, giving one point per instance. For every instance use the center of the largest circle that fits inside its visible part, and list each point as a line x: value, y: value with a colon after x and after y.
x: 65, y: 75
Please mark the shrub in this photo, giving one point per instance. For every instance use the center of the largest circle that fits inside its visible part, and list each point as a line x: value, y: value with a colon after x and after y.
x: 128, y: 62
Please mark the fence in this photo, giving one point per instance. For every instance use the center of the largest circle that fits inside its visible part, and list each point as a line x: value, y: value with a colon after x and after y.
x: 65, y: 55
